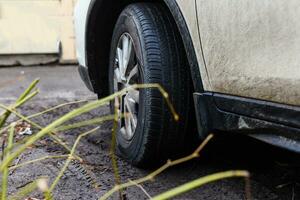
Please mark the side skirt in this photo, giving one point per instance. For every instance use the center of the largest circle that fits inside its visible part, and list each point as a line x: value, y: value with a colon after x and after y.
x: 273, y: 123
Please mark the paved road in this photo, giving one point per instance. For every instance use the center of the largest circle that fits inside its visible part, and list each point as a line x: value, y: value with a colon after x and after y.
x: 275, y: 173
x: 55, y: 82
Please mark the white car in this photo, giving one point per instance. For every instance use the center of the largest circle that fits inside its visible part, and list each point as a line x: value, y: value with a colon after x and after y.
x: 230, y: 65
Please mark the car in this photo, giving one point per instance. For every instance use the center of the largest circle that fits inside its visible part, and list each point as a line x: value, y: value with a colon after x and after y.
x: 228, y: 66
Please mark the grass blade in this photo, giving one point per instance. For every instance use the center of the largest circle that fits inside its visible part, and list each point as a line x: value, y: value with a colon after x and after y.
x: 6, y: 170
x: 95, y: 121
x: 20, y: 101
x: 69, y: 159
x: 84, y: 109
x: 200, y: 182
x: 158, y: 171
x: 37, y: 160
x: 28, y: 90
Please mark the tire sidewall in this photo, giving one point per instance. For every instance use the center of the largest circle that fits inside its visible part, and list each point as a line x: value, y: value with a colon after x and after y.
x: 128, y: 24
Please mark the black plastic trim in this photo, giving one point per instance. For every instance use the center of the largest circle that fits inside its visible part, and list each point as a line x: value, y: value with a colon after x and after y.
x: 270, y: 111
x: 270, y: 127
x: 188, y: 44
x: 98, y: 38
x: 84, y: 74
x: 88, y: 45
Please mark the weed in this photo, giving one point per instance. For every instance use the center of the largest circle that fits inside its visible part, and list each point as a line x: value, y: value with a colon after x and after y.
x: 15, y: 149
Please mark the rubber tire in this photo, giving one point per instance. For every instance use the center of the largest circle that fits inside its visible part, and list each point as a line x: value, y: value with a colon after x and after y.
x: 160, y: 50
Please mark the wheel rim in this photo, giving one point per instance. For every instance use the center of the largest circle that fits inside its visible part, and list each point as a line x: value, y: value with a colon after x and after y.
x: 126, y: 73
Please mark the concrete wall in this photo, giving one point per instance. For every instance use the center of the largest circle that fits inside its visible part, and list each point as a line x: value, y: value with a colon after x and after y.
x: 32, y: 27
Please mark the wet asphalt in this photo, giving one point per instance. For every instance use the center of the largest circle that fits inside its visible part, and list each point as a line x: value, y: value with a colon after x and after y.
x: 275, y: 173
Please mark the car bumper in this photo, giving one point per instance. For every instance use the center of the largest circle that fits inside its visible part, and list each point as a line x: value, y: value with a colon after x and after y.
x: 84, y: 73
x: 80, y: 21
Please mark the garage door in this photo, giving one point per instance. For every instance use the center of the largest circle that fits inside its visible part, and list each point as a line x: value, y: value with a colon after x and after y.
x: 37, y: 27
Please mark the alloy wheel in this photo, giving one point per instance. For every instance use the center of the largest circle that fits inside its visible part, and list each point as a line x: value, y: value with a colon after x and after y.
x: 126, y: 73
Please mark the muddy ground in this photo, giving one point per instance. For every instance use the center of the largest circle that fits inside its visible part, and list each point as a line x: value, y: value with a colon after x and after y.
x: 275, y: 173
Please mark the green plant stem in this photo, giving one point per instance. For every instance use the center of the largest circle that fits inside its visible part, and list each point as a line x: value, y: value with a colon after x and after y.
x: 55, y: 182
x: 200, y: 182
x: 22, y: 194
x: 20, y: 101
x: 45, y: 112
x: 63, y: 144
x: 113, y: 148
x: 158, y: 171
x: 48, y: 196
x: 5, y: 170
x: 37, y: 160
x: 84, y: 109
x: 55, y: 108
x: 18, y: 104
x: 26, y: 99
x: 85, y: 123
x: 142, y: 188
x: 51, y: 133
x: 28, y: 90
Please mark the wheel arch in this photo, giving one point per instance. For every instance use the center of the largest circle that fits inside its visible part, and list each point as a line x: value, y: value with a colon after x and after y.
x: 102, y: 16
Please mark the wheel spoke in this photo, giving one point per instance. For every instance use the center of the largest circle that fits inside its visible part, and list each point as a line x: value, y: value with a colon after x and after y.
x: 117, y: 75
x: 132, y: 73
x: 127, y: 118
x: 123, y: 130
x: 133, y: 120
x: 130, y: 120
x: 130, y: 105
x: 127, y: 51
x: 121, y: 63
x: 134, y: 95
x: 128, y: 127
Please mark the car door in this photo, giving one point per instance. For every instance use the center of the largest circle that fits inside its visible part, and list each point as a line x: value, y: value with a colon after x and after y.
x: 252, y: 48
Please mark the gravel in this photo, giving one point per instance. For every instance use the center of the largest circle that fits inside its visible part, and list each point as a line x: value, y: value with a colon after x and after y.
x: 275, y: 173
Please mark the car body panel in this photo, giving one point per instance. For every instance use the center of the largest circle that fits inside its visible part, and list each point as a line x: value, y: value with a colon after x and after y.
x: 252, y: 48
x: 81, y: 18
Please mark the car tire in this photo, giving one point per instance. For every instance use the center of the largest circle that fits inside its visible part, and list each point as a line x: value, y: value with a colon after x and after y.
x: 160, y: 57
